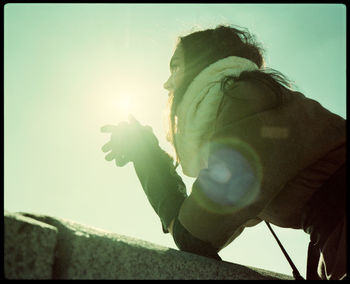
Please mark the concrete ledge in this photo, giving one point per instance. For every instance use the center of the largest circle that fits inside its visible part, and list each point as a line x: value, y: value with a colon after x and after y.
x: 74, y: 251
x: 29, y: 248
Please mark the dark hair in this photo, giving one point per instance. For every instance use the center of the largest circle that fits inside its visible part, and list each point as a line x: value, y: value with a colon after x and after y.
x: 203, y: 48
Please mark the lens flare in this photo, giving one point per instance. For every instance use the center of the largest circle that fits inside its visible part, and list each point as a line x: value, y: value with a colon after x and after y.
x: 232, y: 179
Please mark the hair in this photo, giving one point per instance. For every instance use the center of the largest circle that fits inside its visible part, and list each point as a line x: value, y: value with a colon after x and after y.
x: 205, y: 47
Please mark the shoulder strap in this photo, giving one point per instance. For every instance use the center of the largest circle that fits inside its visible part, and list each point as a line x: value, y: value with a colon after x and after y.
x: 296, y: 273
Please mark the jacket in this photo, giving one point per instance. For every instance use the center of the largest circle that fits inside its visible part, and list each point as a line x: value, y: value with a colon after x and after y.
x: 297, y: 145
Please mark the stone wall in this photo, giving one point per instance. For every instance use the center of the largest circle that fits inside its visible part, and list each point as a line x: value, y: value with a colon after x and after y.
x: 43, y: 247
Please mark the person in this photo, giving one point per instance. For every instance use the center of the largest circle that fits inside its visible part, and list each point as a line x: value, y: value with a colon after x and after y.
x: 259, y: 150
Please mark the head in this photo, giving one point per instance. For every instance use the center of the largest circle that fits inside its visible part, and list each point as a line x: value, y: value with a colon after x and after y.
x: 196, y: 51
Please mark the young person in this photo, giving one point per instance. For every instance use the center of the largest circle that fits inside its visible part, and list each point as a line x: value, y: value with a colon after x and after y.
x: 259, y: 152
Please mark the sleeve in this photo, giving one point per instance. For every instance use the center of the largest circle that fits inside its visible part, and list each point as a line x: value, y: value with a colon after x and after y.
x: 166, y: 192
x: 185, y: 241
x: 162, y: 185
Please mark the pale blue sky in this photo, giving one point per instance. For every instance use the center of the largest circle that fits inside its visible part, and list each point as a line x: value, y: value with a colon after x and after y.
x: 69, y: 68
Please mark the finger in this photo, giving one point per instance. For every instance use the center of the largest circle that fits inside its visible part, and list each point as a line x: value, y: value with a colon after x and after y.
x: 110, y: 156
x: 108, y: 128
x: 107, y: 147
x: 132, y: 119
x: 121, y: 161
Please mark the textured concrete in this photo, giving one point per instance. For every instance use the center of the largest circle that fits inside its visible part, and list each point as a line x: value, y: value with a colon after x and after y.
x: 86, y: 253
x: 29, y: 248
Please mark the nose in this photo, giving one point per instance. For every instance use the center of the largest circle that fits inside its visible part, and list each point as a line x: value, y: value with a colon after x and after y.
x: 167, y: 85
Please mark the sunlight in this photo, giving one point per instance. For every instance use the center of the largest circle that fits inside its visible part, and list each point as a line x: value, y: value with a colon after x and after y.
x: 121, y: 106
x: 125, y: 105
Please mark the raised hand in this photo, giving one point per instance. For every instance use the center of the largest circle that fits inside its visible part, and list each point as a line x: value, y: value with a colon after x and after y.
x: 129, y: 141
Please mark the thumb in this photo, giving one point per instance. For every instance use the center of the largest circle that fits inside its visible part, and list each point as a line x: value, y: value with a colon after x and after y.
x: 132, y: 119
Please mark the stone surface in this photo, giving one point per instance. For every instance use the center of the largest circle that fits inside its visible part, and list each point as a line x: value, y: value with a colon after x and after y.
x: 29, y: 247
x: 87, y: 253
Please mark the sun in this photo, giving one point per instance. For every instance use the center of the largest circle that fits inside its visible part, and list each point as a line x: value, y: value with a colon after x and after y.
x: 125, y: 105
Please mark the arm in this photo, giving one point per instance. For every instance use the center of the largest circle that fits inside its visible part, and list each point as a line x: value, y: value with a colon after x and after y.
x: 133, y: 142
x: 166, y: 193
x: 162, y: 185
x: 195, y: 225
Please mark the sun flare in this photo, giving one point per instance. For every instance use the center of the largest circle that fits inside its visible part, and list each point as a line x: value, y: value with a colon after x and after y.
x: 125, y: 104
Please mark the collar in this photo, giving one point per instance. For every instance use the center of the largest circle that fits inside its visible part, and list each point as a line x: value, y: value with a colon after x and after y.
x: 197, y: 112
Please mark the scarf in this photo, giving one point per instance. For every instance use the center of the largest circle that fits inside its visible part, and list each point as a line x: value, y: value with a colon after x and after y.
x: 197, y: 111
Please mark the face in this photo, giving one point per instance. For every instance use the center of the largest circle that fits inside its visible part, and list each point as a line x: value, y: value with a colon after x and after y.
x: 177, y: 68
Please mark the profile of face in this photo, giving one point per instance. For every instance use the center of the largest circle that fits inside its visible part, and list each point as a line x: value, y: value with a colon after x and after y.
x: 177, y: 69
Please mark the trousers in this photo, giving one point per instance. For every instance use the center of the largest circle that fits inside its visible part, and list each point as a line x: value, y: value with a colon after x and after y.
x: 324, y: 219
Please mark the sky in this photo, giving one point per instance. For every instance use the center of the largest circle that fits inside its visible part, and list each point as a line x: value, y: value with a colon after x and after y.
x: 71, y: 68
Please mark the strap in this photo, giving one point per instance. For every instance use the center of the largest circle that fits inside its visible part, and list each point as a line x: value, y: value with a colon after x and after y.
x: 296, y: 273
x: 313, y: 255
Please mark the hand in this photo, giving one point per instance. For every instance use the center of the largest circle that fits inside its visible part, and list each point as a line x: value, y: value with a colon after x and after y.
x: 129, y: 141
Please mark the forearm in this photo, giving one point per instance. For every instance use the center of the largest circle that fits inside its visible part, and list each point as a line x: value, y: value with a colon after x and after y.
x: 185, y: 241
x: 162, y: 185
x: 211, y: 221
x: 166, y: 193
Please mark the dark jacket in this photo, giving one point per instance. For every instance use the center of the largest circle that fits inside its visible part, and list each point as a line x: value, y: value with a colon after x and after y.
x: 296, y: 145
